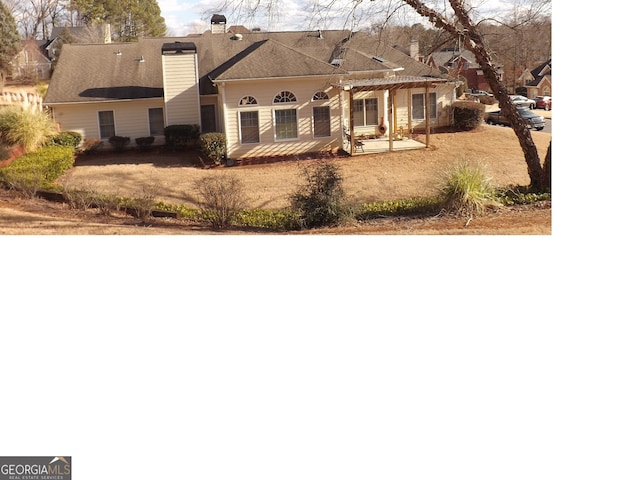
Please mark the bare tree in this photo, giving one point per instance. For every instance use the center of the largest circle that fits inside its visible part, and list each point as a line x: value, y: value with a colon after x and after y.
x: 462, y: 25
x: 461, y: 20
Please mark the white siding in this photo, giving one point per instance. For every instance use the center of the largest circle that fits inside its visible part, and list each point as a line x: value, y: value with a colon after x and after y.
x: 264, y: 92
x: 181, y: 93
x: 131, y: 118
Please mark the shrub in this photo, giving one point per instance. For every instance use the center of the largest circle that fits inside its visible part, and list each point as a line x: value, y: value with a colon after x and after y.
x: 118, y: 142
x: 144, y: 143
x: 393, y: 208
x: 91, y: 146
x: 467, y: 191
x: 468, y: 115
x: 181, y: 136
x: 220, y: 199
x: 66, y: 139
x: 214, y: 147
x: 320, y: 200
x: 143, y: 204
x: 39, y: 168
x: 30, y: 129
x: 269, y: 219
x: 80, y: 198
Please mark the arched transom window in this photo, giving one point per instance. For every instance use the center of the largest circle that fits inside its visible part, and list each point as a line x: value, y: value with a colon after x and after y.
x: 248, y: 100
x: 285, y: 97
x: 319, y: 96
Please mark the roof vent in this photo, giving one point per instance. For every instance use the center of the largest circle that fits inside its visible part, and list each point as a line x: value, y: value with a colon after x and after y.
x: 379, y: 59
x: 336, y: 62
x: 237, y: 36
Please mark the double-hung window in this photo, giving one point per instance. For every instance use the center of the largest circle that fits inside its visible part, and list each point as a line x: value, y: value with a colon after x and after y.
x: 106, y: 123
x: 285, y: 120
x: 321, y: 115
x: 249, y: 121
x: 418, y: 106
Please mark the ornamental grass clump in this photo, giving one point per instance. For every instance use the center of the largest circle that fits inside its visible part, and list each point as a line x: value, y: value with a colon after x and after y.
x: 29, y: 129
x: 467, y: 191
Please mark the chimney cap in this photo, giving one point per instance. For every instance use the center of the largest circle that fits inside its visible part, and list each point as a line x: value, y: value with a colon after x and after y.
x: 217, y: 19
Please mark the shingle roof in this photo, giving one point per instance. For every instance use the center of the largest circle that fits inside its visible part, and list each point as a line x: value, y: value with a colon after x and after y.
x: 105, y: 72
x: 540, y: 72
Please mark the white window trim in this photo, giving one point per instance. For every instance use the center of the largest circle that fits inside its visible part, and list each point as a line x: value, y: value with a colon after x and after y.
x: 240, y: 126
x: 164, y: 120
x: 313, y: 122
x: 115, y: 127
x: 291, y: 106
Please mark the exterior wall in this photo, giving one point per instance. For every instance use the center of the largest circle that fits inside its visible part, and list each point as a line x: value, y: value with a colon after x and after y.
x: 264, y: 92
x: 542, y: 89
x: 403, y: 123
x: 131, y: 118
x: 182, y: 97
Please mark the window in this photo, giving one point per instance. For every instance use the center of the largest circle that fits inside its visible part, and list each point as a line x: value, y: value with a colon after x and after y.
x: 248, y: 100
x: 433, y: 104
x: 285, y: 97
x: 208, y: 118
x: 319, y: 96
x: 249, y: 127
x: 156, y: 122
x: 365, y: 112
x: 417, y: 107
x: 107, y: 124
x: 286, y: 124
x: 321, y: 122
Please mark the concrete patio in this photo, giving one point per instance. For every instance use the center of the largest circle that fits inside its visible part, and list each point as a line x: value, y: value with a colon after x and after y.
x: 381, y: 145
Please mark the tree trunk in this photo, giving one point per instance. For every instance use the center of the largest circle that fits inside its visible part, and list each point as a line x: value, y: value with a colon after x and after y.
x: 474, y: 42
x: 546, y: 169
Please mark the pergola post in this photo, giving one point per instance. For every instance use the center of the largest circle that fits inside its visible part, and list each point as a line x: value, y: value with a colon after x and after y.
x: 390, y: 110
x: 352, y: 148
x: 428, y: 114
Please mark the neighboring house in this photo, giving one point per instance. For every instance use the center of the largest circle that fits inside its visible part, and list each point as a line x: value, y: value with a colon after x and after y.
x: 83, y: 34
x: 271, y: 93
x: 538, y: 80
x: 30, y: 63
x: 462, y: 63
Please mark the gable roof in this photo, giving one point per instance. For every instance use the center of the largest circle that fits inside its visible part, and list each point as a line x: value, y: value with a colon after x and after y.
x: 540, y: 72
x: 106, y: 72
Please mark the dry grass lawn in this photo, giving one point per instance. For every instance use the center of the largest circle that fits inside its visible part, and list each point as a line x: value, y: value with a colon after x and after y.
x: 367, y: 178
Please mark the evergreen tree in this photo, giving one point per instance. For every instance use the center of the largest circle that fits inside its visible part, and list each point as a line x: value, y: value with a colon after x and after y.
x: 129, y: 19
x: 9, y: 41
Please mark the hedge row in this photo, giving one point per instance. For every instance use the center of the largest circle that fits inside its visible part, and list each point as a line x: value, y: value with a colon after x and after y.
x: 43, y: 166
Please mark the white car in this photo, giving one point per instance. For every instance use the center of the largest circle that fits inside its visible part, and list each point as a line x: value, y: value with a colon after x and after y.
x: 520, y: 101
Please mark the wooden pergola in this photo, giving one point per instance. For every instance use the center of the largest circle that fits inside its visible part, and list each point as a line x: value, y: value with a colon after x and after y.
x: 391, y: 85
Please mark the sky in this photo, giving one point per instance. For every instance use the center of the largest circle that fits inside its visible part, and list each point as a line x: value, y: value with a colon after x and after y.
x: 193, y: 16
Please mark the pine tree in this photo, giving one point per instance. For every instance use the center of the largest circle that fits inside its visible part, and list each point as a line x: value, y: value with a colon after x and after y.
x: 129, y: 19
x: 9, y: 41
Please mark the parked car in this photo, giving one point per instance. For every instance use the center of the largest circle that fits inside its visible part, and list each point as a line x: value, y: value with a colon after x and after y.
x: 520, y: 101
x: 530, y: 118
x: 543, y: 102
x: 481, y: 92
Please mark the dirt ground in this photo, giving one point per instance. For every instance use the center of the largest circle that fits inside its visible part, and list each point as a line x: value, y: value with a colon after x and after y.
x: 367, y: 178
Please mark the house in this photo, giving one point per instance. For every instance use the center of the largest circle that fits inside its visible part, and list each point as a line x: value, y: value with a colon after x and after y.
x: 462, y: 63
x: 538, y: 80
x: 270, y: 93
x: 31, y: 63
